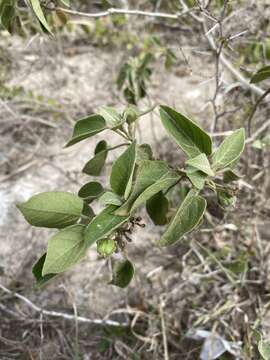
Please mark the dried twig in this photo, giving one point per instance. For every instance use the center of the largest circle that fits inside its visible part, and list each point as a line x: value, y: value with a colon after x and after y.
x: 113, y: 11
x: 62, y: 315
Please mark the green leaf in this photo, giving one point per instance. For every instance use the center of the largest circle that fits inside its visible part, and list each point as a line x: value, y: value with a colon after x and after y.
x: 264, y: 349
x: 39, y: 14
x: 95, y: 165
x: 7, y: 16
x: 123, y: 273
x: 152, y: 177
x: 201, y: 163
x: 87, y: 127
x: 65, y: 249
x: 87, y: 214
x: 54, y: 209
x: 37, y: 272
x: 112, y: 117
x: 106, y: 247
x: 122, y: 171
x: 188, y: 135
x: 230, y: 176
x: 229, y: 150
x: 110, y: 198
x: 197, y: 178
x: 122, y: 75
x: 260, y: 75
x: 91, y: 191
x: 144, y: 152
x: 187, y: 217
x: 157, y: 208
x: 103, y: 224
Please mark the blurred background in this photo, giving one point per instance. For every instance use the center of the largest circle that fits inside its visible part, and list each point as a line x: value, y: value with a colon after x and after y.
x: 210, y: 291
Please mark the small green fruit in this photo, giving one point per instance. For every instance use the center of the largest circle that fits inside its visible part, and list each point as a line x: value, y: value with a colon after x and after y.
x: 106, y: 247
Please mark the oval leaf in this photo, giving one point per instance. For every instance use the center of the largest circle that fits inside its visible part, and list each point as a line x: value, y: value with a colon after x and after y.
x: 53, y: 209
x: 39, y: 14
x: 65, y: 249
x: 37, y: 272
x: 103, y: 224
x: 197, y: 178
x: 186, y: 218
x: 264, y: 349
x: 188, y: 135
x: 229, y: 150
x: 201, y: 163
x: 260, y: 75
x: 157, y: 208
x: 87, y: 214
x: 123, y: 273
x: 94, y: 166
x: 110, y: 198
x: 91, y: 191
x: 152, y: 177
x: 87, y: 127
x: 144, y: 152
x: 230, y: 176
x: 112, y: 117
x: 122, y: 171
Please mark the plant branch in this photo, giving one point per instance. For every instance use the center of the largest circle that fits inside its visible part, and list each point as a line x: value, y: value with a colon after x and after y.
x: 113, y: 11
x: 60, y: 314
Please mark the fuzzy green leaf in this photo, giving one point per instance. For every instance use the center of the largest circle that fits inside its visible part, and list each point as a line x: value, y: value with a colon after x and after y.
x: 260, y: 75
x: 185, y: 220
x: 7, y: 16
x: 112, y: 117
x: 37, y: 272
x: 39, y: 14
x: 264, y: 349
x: 230, y: 176
x: 87, y: 127
x: 87, y: 214
x: 144, y: 152
x: 122, y: 171
x: 123, y: 273
x: 91, y: 191
x: 103, y: 224
x: 188, y: 135
x: 110, y: 198
x: 229, y: 150
x: 152, y: 177
x: 197, y: 178
x: 157, y: 207
x: 65, y: 249
x: 54, y: 209
x: 95, y: 165
x: 201, y: 163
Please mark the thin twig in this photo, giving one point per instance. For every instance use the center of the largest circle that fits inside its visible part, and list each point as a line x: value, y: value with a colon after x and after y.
x: 187, y: 11
x: 113, y: 11
x: 163, y: 327
x: 260, y: 99
x: 60, y: 314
